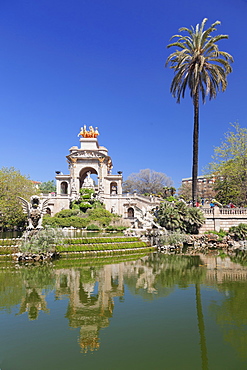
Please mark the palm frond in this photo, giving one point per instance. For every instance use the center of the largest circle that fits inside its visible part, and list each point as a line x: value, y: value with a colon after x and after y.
x: 199, y: 62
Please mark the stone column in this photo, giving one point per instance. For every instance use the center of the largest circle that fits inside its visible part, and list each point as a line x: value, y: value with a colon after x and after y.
x: 216, y: 213
x: 100, y: 185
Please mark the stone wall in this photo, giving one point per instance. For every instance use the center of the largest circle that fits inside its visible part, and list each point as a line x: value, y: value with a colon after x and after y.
x: 56, y: 202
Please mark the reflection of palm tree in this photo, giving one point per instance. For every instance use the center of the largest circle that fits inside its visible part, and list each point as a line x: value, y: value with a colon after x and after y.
x: 201, y: 328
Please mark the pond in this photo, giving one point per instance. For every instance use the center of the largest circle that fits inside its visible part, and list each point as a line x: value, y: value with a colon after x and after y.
x: 152, y: 311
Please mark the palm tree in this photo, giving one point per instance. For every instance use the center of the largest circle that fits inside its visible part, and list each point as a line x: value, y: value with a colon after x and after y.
x: 203, y: 69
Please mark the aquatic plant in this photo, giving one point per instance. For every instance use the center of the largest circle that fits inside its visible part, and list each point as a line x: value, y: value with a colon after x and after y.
x: 43, y: 241
x: 174, y: 238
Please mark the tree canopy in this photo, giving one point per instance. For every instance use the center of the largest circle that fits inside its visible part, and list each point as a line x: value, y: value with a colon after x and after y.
x: 229, y: 165
x: 200, y: 67
x: 48, y: 186
x: 147, y: 182
x: 13, y: 184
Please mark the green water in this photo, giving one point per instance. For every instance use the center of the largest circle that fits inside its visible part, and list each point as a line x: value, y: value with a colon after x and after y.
x: 149, y: 312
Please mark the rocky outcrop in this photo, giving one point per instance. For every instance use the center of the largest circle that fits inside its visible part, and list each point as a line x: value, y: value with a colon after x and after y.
x: 211, y: 242
x: 33, y: 257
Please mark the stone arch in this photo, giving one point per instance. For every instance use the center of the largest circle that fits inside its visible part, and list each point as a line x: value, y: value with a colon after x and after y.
x: 48, y: 211
x: 113, y: 188
x: 83, y: 174
x: 130, y: 212
x: 64, y: 187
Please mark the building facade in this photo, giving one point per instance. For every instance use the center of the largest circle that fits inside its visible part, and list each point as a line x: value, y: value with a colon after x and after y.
x: 205, y: 189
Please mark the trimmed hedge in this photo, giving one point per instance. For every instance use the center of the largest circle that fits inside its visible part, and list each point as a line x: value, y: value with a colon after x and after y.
x: 9, y: 242
x: 8, y: 250
x: 100, y: 240
x: 95, y: 247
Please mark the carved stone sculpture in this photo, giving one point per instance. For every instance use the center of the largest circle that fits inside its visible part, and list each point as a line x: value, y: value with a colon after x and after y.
x: 35, y: 209
x: 144, y: 219
x: 92, y: 133
x: 88, y: 182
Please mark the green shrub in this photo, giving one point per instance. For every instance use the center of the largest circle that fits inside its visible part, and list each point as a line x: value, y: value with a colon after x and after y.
x: 64, y: 222
x: 93, y: 227
x: 171, y: 199
x: 238, y: 232
x: 195, y: 220
x: 74, y: 221
x: 86, y: 191
x: 84, y: 206
x: 67, y: 213
x: 98, y: 204
x: 99, y: 212
x: 50, y: 221
x: 221, y: 234
x: 174, y: 238
x: 74, y: 205
x: 115, y: 228
x: 79, y: 222
x: 180, y: 217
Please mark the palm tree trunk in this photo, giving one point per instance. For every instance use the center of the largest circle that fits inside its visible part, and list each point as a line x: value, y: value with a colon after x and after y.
x: 195, y: 147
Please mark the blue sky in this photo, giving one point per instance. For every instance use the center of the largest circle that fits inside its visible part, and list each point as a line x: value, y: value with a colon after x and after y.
x: 64, y: 64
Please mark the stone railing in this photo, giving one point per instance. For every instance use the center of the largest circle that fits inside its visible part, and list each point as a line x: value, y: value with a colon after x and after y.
x: 223, y: 218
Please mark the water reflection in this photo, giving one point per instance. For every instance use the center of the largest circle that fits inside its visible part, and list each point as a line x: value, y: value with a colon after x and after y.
x: 90, y: 292
x: 91, y: 287
x: 231, y: 315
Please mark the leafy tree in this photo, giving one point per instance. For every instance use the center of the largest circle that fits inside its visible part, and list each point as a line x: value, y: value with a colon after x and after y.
x: 48, y: 186
x: 12, y: 185
x: 203, y: 69
x: 185, y: 192
x: 147, y: 182
x: 230, y: 166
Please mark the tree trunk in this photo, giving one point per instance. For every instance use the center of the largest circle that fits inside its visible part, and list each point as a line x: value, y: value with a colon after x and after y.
x: 195, y: 147
x: 201, y: 327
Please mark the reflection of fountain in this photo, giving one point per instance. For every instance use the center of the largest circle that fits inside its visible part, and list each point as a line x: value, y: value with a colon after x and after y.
x: 92, y: 288
x: 91, y: 300
x: 33, y: 302
x: 91, y: 291
x: 89, y: 340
